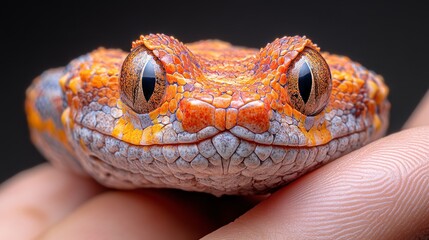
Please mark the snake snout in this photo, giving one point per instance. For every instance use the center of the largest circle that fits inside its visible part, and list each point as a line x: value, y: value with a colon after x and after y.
x: 197, y: 114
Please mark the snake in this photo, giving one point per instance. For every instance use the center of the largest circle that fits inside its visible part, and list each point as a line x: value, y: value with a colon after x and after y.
x: 205, y: 116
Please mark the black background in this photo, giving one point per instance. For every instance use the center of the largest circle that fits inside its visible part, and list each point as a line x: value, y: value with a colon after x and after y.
x: 389, y: 38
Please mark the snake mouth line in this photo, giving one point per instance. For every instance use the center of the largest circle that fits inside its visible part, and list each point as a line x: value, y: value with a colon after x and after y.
x: 112, y: 159
x: 362, y: 139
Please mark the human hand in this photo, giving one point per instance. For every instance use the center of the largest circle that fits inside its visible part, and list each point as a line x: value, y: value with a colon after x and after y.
x: 377, y: 192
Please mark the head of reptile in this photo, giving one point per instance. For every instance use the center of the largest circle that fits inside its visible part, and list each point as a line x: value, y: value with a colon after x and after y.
x: 207, y: 116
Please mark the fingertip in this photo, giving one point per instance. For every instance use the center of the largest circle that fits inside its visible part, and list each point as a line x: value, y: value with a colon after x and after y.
x: 36, y: 198
x: 145, y: 214
x: 419, y: 117
x: 377, y: 192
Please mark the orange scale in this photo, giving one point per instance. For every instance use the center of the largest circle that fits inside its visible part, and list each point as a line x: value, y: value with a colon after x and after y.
x: 101, y: 92
x: 222, y: 89
x: 250, y: 96
x: 128, y: 127
x: 236, y: 100
x: 180, y: 79
x: 266, y: 60
x: 112, y: 71
x: 195, y: 115
x: 350, y: 87
x: 104, y: 79
x: 275, y: 86
x: 178, y: 97
x: 100, y: 70
x: 268, y: 99
x: 337, y: 104
x: 170, y: 92
x: 266, y: 88
x: 159, y: 53
x: 266, y: 81
x: 339, y: 95
x: 254, y: 116
x: 291, y: 55
x: 154, y: 114
x: 373, y: 88
x: 222, y: 101
x: 359, y: 83
x: 187, y: 94
x: 381, y: 94
x: 215, y: 92
x: 176, y: 60
x: 85, y: 74
x: 347, y: 98
x: 282, y: 80
x: 263, y: 75
x: 275, y: 55
x: 179, y: 68
x: 273, y: 65
x: 167, y: 49
x: 275, y: 105
x: 283, y: 95
x: 185, y: 60
x: 119, y: 128
x: 113, y: 80
x: 163, y: 109
x: 136, y: 136
x: 112, y: 102
x: 204, y: 97
x: 179, y: 115
x: 74, y: 85
x: 274, y: 94
x: 108, y: 94
x: 245, y: 89
x: 114, y: 87
x: 220, y: 119
x: 170, y: 68
x: 63, y: 81
x: 171, y: 79
x: 287, y: 62
x: 152, y: 134
x: 149, y: 44
x: 371, y: 106
x: 231, y: 118
x: 172, y: 105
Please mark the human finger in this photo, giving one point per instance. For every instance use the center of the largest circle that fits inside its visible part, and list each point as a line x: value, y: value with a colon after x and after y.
x: 420, y: 116
x: 145, y: 214
x: 37, y: 198
x: 377, y: 192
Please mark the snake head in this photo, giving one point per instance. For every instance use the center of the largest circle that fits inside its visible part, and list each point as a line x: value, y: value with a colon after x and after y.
x: 209, y: 116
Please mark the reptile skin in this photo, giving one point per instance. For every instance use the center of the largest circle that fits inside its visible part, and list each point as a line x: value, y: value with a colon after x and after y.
x: 222, y: 119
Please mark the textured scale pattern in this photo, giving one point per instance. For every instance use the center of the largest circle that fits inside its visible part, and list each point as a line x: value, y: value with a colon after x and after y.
x: 224, y: 124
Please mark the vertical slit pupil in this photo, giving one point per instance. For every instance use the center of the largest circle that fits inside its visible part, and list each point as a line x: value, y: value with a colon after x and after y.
x: 148, y: 79
x: 305, y: 81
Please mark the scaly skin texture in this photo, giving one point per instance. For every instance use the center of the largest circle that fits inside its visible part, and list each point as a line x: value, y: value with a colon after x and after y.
x: 224, y: 125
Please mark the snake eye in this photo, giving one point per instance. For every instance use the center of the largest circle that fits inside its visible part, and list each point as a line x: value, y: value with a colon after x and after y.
x: 309, y: 82
x: 142, y: 81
